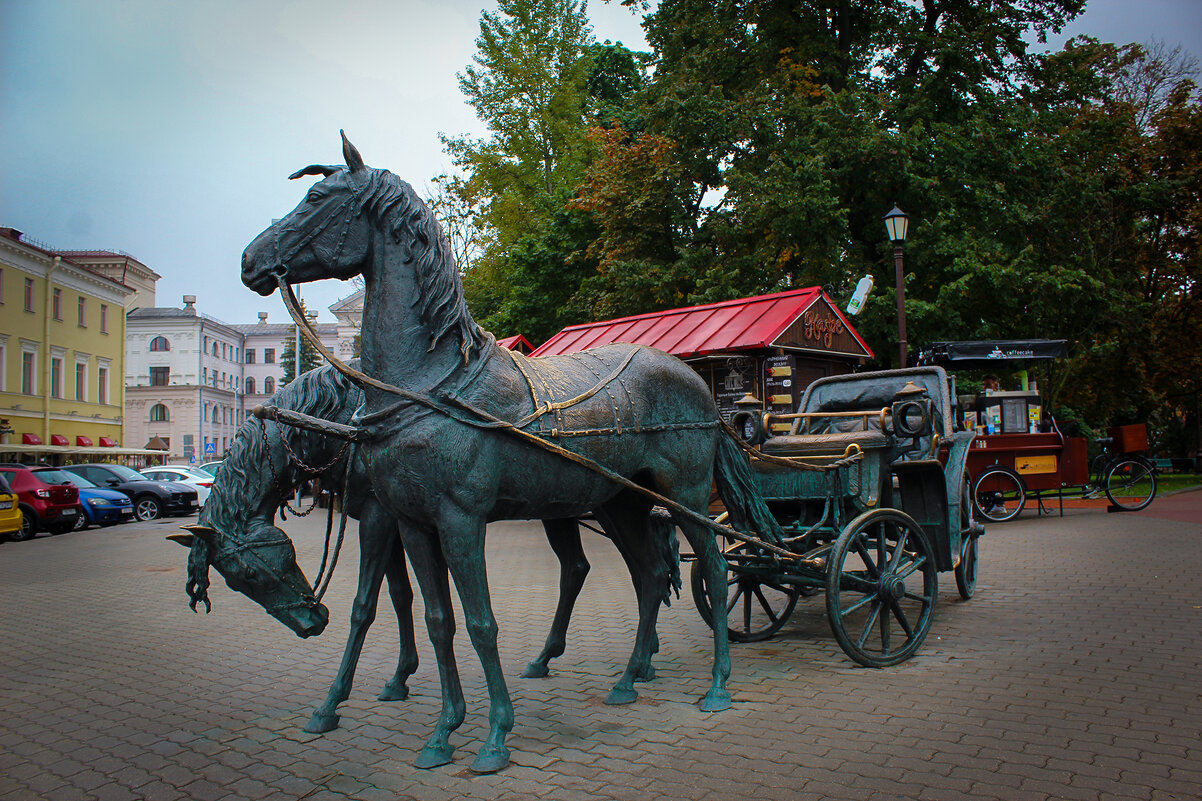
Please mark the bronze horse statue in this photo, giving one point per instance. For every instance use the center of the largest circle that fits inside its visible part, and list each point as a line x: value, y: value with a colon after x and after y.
x: 241, y: 539
x: 458, y: 432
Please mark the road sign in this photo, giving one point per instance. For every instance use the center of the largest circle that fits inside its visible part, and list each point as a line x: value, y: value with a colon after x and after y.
x: 211, y: 447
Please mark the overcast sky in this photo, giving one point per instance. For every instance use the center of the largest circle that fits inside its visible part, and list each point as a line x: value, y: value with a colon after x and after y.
x: 168, y: 129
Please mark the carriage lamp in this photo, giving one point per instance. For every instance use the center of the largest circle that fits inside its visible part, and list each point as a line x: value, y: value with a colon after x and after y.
x: 897, y: 223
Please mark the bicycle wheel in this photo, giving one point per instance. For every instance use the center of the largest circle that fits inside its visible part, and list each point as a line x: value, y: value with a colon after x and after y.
x: 998, y: 494
x: 1131, y: 484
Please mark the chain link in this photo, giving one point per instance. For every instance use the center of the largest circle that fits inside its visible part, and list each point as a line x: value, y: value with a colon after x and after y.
x: 300, y: 465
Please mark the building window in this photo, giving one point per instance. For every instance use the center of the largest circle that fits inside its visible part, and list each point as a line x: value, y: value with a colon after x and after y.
x: 81, y: 381
x: 83, y: 312
x: 56, y: 377
x: 28, y: 294
x: 56, y: 303
x: 216, y: 415
x: 250, y: 385
x: 250, y: 355
x: 1, y: 286
x: 3, y: 360
x: 268, y: 385
x: 158, y: 413
x: 159, y: 376
x: 215, y: 351
x: 104, y: 318
x: 268, y: 355
x: 160, y: 343
x: 29, y: 364
x: 102, y: 385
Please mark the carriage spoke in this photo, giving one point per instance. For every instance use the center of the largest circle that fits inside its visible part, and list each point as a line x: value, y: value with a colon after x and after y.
x: 867, y: 599
x: 899, y: 549
x: 902, y: 620
x: 868, y: 624
x: 885, y: 632
x: 873, y: 568
x: 734, y: 599
x: 767, y: 607
x: 910, y: 567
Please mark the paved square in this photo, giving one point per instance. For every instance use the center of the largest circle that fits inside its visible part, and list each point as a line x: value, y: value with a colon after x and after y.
x: 1073, y: 674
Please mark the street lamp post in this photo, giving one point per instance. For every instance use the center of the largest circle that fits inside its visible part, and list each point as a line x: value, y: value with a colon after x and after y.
x: 897, y: 223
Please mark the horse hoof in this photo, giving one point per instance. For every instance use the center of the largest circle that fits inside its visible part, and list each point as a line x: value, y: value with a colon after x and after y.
x: 621, y: 695
x: 491, y: 759
x: 433, y: 756
x: 646, y: 674
x: 535, y: 670
x: 321, y: 723
x: 715, y: 701
x: 393, y: 692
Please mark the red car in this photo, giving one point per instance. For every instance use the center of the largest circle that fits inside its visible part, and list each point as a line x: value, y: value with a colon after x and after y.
x: 50, y: 507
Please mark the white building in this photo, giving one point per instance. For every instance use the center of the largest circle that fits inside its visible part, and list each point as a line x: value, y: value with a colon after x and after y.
x: 263, y: 344
x: 191, y: 379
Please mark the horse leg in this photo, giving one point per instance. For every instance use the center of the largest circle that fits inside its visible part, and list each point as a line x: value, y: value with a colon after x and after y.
x: 714, y: 565
x: 463, y: 545
x: 401, y: 593
x: 627, y: 521
x: 431, y: 571
x: 564, y: 538
x: 376, y: 539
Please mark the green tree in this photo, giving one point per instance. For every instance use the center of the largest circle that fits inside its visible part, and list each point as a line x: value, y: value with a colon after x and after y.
x: 309, y: 357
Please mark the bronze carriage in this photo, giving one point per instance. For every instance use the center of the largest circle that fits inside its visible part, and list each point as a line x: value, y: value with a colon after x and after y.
x: 867, y: 481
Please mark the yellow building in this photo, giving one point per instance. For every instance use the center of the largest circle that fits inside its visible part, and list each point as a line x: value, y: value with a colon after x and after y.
x: 62, y: 348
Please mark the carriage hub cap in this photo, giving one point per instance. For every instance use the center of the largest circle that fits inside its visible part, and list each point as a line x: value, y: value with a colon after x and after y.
x: 892, y: 588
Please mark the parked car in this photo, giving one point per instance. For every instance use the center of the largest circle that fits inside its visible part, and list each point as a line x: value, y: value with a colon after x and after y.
x: 194, y: 477
x: 102, y: 507
x: 211, y: 467
x: 152, y: 499
x: 10, y: 511
x: 44, y: 507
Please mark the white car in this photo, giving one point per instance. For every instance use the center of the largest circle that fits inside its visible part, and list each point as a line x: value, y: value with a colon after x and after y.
x: 194, y: 477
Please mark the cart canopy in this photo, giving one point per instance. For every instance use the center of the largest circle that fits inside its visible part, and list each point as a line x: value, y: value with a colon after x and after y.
x: 983, y: 354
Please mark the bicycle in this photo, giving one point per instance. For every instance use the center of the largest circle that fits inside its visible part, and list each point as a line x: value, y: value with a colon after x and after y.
x: 1128, y: 480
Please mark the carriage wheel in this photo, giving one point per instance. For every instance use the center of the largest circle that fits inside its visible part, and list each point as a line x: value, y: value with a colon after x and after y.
x: 998, y: 494
x: 881, y: 584
x: 966, y: 570
x: 1131, y: 484
x: 756, y: 608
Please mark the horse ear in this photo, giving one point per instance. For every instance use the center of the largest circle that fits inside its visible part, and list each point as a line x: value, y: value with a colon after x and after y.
x: 315, y: 169
x: 204, y: 532
x: 185, y: 540
x: 353, y: 159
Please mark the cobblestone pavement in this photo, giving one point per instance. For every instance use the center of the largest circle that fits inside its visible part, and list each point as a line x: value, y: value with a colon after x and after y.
x: 1073, y: 674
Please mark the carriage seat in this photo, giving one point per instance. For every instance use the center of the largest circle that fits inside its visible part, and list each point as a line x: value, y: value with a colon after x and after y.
x: 835, y: 443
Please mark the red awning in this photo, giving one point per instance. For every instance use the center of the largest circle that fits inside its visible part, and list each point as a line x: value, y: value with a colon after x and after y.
x: 59, y: 439
x: 730, y: 326
x: 31, y: 439
x: 106, y: 442
x: 82, y: 441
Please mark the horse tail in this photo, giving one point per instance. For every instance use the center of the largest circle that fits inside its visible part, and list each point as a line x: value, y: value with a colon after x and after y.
x: 738, y: 491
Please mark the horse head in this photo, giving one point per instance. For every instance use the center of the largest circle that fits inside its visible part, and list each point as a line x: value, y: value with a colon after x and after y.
x: 328, y: 235
x: 260, y: 564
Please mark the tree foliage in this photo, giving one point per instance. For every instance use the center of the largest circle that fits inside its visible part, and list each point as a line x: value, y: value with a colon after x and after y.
x: 758, y: 146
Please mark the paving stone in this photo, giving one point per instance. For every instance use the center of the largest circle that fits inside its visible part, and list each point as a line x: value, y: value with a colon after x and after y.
x: 1041, y: 687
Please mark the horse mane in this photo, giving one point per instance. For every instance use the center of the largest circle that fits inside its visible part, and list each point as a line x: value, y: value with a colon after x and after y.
x: 395, y: 206
x: 245, y: 472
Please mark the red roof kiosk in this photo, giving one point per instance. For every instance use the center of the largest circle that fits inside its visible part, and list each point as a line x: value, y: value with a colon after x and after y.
x: 771, y: 346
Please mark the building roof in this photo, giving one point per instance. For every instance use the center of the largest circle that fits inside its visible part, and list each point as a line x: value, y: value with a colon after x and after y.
x: 799, y: 319
x: 516, y: 342
x: 281, y: 329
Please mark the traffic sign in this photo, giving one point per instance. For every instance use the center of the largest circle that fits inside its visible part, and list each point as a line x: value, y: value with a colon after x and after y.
x: 211, y: 447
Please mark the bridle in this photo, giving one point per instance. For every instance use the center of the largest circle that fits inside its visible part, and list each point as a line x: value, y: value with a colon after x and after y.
x: 236, y: 551
x: 355, y: 204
